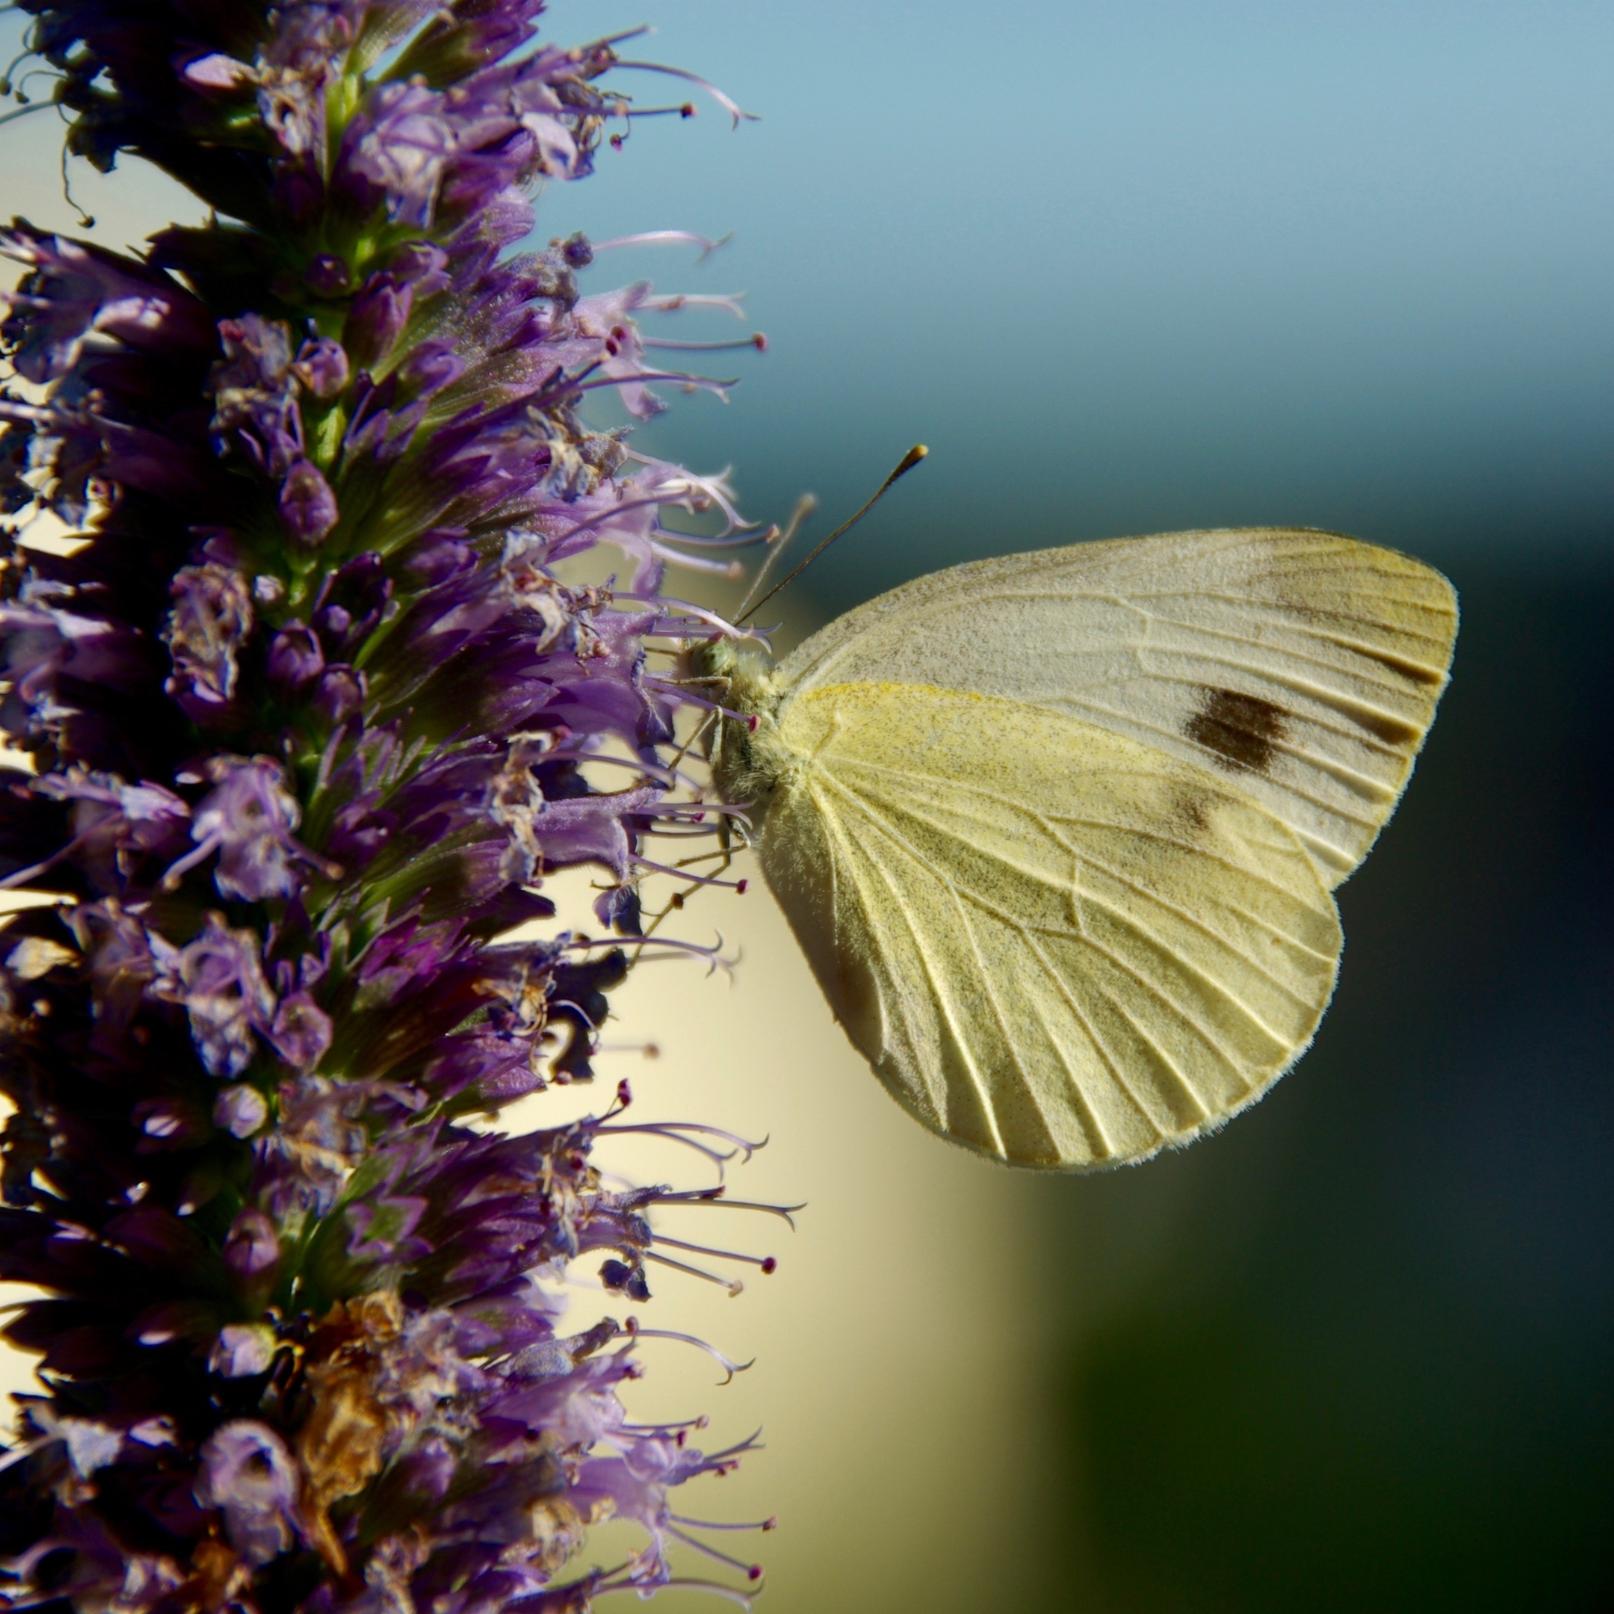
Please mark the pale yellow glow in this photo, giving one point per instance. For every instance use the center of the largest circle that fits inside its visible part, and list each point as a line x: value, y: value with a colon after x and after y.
x: 898, y: 1352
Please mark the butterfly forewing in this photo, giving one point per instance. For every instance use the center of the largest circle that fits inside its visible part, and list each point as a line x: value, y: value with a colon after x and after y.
x: 1302, y: 667
x: 1056, y: 945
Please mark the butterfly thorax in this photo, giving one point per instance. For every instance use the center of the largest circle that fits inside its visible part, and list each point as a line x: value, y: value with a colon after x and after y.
x: 749, y: 758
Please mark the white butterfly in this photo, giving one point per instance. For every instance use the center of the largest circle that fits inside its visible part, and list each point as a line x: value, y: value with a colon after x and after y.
x: 1058, y: 831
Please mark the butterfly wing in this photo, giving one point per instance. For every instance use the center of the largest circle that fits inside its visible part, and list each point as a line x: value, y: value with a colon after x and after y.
x: 1055, y: 945
x: 1302, y: 666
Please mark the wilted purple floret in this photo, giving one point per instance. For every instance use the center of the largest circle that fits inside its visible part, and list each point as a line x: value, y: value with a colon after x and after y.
x: 315, y: 706
x: 249, y: 1476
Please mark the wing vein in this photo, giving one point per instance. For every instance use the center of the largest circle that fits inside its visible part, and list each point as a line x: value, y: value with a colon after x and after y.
x: 939, y: 991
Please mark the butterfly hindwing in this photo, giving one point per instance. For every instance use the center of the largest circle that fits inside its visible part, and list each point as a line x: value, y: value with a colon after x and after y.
x: 1056, y: 945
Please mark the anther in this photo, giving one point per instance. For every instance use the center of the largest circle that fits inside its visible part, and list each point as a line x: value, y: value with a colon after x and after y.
x: 767, y: 1262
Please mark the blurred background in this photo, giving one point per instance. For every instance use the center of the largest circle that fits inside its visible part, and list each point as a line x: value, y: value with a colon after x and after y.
x: 1129, y: 268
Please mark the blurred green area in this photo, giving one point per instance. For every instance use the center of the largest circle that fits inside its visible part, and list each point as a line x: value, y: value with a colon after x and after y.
x: 1367, y: 1366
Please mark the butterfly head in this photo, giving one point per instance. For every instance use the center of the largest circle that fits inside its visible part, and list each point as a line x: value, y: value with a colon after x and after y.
x: 746, y: 754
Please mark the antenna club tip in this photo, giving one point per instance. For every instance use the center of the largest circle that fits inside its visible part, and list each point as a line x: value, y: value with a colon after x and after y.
x: 909, y: 460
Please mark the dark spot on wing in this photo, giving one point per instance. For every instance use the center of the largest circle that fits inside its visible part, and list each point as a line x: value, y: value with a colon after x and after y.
x: 1242, y: 730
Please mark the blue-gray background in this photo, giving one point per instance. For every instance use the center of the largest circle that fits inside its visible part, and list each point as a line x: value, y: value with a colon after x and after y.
x: 1131, y: 267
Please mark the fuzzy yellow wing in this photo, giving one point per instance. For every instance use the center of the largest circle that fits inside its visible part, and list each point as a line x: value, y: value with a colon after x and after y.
x: 1054, y: 944
x: 1302, y: 666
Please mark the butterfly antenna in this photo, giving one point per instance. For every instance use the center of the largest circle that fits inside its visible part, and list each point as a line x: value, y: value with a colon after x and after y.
x: 907, y: 463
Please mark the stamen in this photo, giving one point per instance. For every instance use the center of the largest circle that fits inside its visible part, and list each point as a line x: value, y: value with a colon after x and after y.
x: 24, y: 877
x: 645, y: 1050
x: 727, y: 1458
x: 768, y: 1264
x: 696, y: 563
x: 806, y: 504
x: 712, y: 954
x: 642, y: 31
x: 755, y: 340
x: 684, y: 109
x: 751, y: 1572
x: 674, y: 1132
x: 733, y: 1285
x: 658, y: 238
x: 688, y: 1198
x: 694, y: 492
x: 676, y: 870
x: 651, y: 770
x: 711, y: 383
x: 22, y: 56
x: 673, y: 301
x: 758, y: 532
x: 86, y: 220
x: 25, y: 110
x: 732, y: 1593
x: 727, y: 102
x: 577, y: 1009
x: 729, y: 1368
x: 669, y: 686
x: 718, y: 810
x: 669, y: 607
x: 593, y: 522
x: 769, y: 1523
x: 682, y: 1426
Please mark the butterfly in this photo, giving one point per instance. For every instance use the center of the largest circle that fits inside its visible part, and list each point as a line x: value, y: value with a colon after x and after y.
x: 1059, y: 831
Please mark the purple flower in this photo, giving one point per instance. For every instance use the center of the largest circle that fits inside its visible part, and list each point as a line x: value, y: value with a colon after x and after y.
x: 249, y: 1476
x: 307, y: 505
x: 218, y: 979
x: 247, y: 820
x: 315, y: 709
x: 76, y: 292
x: 211, y: 620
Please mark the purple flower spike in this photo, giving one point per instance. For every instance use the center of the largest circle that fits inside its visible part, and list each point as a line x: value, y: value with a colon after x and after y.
x: 325, y: 693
